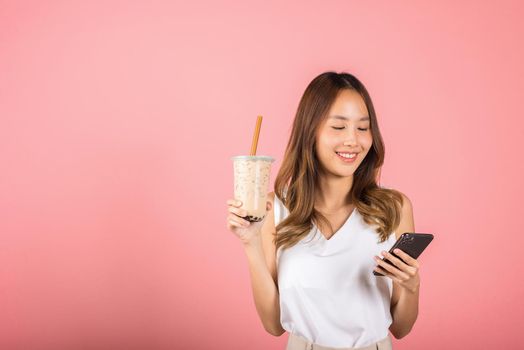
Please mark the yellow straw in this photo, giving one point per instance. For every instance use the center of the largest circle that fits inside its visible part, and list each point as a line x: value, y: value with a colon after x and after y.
x: 255, y: 136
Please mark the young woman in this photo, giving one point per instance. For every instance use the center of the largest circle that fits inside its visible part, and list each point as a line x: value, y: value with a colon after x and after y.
x: 328, y: 226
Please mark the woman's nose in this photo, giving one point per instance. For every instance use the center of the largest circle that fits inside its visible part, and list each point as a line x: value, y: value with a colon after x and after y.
x: 351, y: 138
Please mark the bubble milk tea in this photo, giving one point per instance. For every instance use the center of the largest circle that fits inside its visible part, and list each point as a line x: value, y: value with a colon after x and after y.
x: 252, y: 184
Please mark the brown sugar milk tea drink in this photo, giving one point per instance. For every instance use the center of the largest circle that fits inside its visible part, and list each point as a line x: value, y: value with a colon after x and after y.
x: 252, y: 179
x: 252, y: 184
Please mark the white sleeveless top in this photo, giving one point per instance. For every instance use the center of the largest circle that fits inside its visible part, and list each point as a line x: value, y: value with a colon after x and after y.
x: 328, y: 292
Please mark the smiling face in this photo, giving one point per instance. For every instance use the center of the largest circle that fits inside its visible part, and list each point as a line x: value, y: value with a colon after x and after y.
x: 344, y: 137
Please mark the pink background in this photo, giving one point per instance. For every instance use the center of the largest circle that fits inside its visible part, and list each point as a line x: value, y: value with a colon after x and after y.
x: 118, y: 120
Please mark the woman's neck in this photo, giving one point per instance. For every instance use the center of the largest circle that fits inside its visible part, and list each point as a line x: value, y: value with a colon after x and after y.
x: 332, y: 194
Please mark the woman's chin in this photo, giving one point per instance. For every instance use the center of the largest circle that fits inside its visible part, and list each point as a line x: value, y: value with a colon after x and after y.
x: 343, y: 172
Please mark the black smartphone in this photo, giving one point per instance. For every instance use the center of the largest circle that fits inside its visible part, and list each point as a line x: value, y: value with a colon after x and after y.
x: 410, y: 243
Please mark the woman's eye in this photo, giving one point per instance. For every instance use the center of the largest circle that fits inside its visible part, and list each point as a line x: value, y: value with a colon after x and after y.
x: 340, y: 128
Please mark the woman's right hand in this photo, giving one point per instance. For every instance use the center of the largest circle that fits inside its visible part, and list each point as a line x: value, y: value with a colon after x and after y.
x: 247, y: 232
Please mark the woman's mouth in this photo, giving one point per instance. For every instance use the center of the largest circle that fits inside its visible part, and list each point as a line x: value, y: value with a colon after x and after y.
x: 347, y: 157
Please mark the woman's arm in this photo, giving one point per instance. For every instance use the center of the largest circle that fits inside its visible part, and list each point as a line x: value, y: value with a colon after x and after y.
x: 404, y: 313
x: 405, y: 298
x: 265, y: 291
x: 261, y: 256
x: 257, y: 239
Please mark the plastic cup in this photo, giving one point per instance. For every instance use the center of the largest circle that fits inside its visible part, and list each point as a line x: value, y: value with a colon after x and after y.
x: 251, y: 177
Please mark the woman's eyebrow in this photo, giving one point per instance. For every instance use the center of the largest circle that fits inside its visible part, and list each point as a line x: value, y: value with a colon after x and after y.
x: 346, y: 118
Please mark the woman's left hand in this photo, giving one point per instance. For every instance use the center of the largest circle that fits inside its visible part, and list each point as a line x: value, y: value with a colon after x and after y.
x: 404, y: 272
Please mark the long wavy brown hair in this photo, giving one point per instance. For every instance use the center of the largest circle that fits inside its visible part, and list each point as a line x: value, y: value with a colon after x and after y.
x: 297, y: 179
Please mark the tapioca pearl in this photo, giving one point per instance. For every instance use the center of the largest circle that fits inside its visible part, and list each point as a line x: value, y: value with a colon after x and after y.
x: 254, y: 218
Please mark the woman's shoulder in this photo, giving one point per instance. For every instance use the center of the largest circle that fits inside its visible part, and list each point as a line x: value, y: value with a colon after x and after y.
x: 279, y: 209
x: 268, y: 232
x: 406, y: 203
x: 406, y: 215
x: 272, y: 198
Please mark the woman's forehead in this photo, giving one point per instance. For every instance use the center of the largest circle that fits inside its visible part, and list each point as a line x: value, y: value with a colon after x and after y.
x: 349, y: 105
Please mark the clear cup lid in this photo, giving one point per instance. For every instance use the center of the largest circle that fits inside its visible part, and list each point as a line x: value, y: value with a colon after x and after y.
x: 266, y: 158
